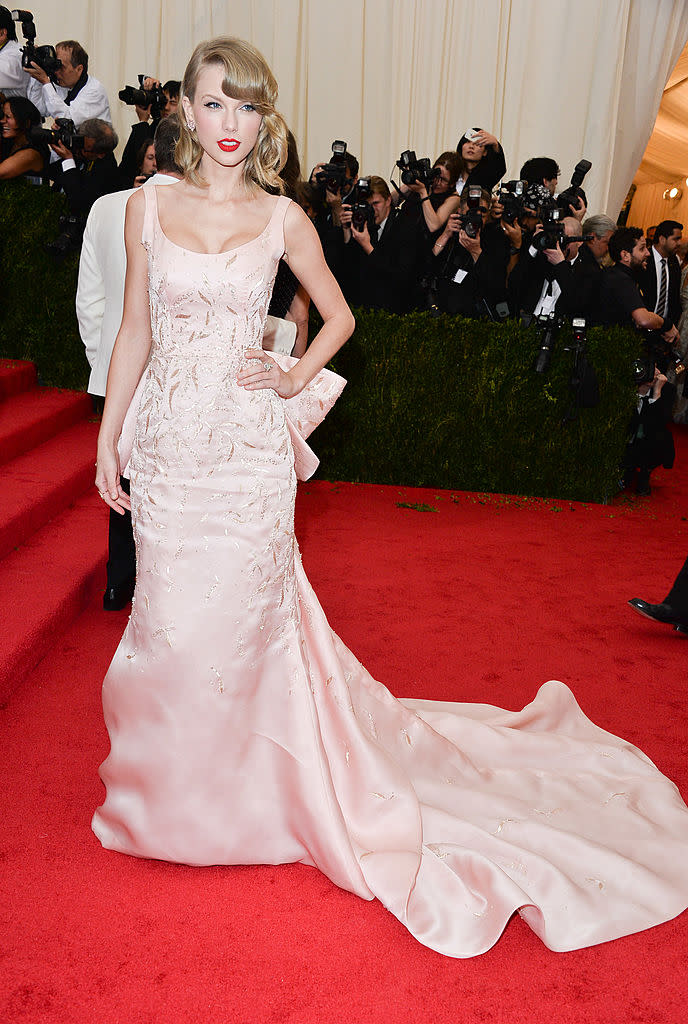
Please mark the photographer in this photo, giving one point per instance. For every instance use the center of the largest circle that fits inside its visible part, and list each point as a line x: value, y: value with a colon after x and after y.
x: 145, y: 165
x: 620, y: 300
x: 76, y: 94
x: 481, y: 160
x: 596, y: 248
x: 13, y: 81
x: 20, y: 156
x: 543, y: 170
x: 547, y: 278
x: 330, y: 182
x: 91, y: 172
x: 436, y: 198
x: 651, y: 443
x: 164, y: 101
x: 384, y: 255
x: 468, y: 265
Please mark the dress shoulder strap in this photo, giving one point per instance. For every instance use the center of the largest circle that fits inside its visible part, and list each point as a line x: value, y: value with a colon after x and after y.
x: 277, y: 221
x: 150, y: 215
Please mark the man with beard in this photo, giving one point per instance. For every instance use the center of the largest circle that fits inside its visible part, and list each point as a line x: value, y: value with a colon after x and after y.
x: 620, y: 299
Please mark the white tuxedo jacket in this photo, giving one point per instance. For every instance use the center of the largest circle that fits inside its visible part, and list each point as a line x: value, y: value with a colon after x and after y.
x: 100, y: 290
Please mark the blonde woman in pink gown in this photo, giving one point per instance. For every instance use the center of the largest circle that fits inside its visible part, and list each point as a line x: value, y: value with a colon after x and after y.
x: 242, y: 730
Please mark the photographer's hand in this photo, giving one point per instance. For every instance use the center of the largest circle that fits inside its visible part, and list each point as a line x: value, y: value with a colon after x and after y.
x: 658, y: 383
x: 313, y: 179
x: 143, y: 113
x: 471, y: 245
x: 419, y: 188
x: 345, y: 215
x: 37, y: 73
x: 580, y: 211
x: 363, y: 239
x: 555, y: 255
x: 62, y: 151
x: 513, y: 232
x: 671, y: 335
x: 485, y: 139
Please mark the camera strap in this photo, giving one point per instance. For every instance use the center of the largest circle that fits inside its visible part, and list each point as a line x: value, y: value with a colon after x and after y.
x: 76, y: 89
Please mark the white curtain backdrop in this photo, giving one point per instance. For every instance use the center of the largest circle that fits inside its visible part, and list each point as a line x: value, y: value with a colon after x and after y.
x: 561, y: 78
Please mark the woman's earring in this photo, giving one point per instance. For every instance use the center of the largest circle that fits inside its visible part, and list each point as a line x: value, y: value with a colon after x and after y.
x: 191, y: 125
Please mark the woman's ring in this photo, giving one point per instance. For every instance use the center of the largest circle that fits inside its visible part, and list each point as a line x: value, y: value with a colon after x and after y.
x: 267, y: 366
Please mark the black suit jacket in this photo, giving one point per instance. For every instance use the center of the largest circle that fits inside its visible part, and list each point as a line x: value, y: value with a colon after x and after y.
x: 648, y: 286
x: 389, y: 277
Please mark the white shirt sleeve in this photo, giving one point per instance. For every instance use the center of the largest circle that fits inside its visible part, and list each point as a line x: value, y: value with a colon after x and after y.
x: 91, y: 101
x: 90, y: 294
x: 13, y: 78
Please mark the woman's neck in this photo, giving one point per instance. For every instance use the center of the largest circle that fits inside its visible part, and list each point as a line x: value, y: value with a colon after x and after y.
x: 224, y: 183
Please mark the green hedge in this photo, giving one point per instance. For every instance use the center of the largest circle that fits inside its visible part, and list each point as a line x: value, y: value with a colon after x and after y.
x: 37, y: 318
x: 455, y: 403
x: 440, y: 402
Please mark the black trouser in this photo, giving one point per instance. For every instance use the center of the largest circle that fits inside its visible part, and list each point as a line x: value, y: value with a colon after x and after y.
x: 121, y: 565
x: 678, y: 595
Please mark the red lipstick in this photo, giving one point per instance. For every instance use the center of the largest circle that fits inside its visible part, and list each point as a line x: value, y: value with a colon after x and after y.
x: 228, y: 145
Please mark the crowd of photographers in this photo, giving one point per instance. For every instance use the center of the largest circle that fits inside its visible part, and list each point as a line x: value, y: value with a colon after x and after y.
x: 450, y: 236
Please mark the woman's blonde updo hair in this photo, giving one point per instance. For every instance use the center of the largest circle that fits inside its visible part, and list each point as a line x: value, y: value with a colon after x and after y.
x: 246, y: 77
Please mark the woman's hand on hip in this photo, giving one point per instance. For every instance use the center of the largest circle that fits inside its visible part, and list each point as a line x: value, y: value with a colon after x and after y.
x: 263, y: 372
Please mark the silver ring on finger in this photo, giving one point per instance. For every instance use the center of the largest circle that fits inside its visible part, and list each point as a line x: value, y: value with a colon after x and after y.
x: 267, y: 367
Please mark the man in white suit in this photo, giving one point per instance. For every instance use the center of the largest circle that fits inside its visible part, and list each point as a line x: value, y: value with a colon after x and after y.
x: 99, y: 305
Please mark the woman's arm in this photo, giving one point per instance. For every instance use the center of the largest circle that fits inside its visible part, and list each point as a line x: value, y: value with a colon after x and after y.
x: 129, y: 356
x: 434, y: 219
x: 298, y: 314
x: 21, y: 162
x: 305, y: 257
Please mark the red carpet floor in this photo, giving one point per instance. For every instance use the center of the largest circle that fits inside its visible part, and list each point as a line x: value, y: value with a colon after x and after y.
x: 473, y: 599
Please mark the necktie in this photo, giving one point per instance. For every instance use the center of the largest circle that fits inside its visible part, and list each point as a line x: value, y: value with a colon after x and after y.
x: 661, y: 301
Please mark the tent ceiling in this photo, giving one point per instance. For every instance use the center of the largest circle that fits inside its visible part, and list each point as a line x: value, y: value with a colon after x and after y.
x: 666, y: 156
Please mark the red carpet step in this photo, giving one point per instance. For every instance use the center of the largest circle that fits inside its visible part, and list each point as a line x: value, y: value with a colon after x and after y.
x: 30, y: 418
x: 40, y: 484
x: 16, y: 376
x: 46, y: 583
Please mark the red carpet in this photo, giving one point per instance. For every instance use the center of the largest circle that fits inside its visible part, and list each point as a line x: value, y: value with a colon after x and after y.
x: 481, y: 600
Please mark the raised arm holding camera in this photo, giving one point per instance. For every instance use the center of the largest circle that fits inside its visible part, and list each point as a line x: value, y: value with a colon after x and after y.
x: 151, y: 101
x: 66, y: 89
x: 13, y: 81
x: 482, y: 159
x: 433, y: 188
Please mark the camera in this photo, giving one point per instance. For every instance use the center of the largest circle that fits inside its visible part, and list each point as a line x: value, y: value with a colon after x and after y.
x: 333, y: 177
x: 472, y: 220
x: 572, y: 195
x: 44, y: 56
x: 643, y: 371
x: 510, y: 195
x: 414, y: 170
x: 362, y: 212
x: 548, y: 325
x: 154, y: 98
x: 69, y: 238
x: 64, y: 132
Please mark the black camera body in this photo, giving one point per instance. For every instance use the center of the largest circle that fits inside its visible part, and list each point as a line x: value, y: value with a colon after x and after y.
x: 573, y: 194
x: 64, y: 132
x: 333, y: 176
x: 44, y: 56
x: 154, y: 98
x: 69, y: 239
x: 362, y: 212
x: 548, y: 325
x: 472, y: 220
x: 414, y: 170
x: 510, y: 196
x: 643, y: 371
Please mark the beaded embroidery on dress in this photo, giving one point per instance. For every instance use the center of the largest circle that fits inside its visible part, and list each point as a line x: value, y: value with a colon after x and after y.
x: 244, y: 732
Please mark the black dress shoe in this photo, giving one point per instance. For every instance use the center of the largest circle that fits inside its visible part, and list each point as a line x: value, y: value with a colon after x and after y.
x: 116, y: 598
x: 660, y: 613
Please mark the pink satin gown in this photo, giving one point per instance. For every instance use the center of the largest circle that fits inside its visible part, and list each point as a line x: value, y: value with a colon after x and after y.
x: 244, y: 732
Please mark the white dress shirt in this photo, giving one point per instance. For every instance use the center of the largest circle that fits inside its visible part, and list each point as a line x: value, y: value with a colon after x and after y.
x: 13, y: 79
x: 658, y: 274
x: 91, y: 101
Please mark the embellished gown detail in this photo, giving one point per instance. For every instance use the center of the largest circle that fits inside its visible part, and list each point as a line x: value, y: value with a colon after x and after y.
x: 244, y: 732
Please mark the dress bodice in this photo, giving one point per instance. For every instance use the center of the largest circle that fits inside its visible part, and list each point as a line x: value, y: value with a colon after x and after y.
x: 195, y: 297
